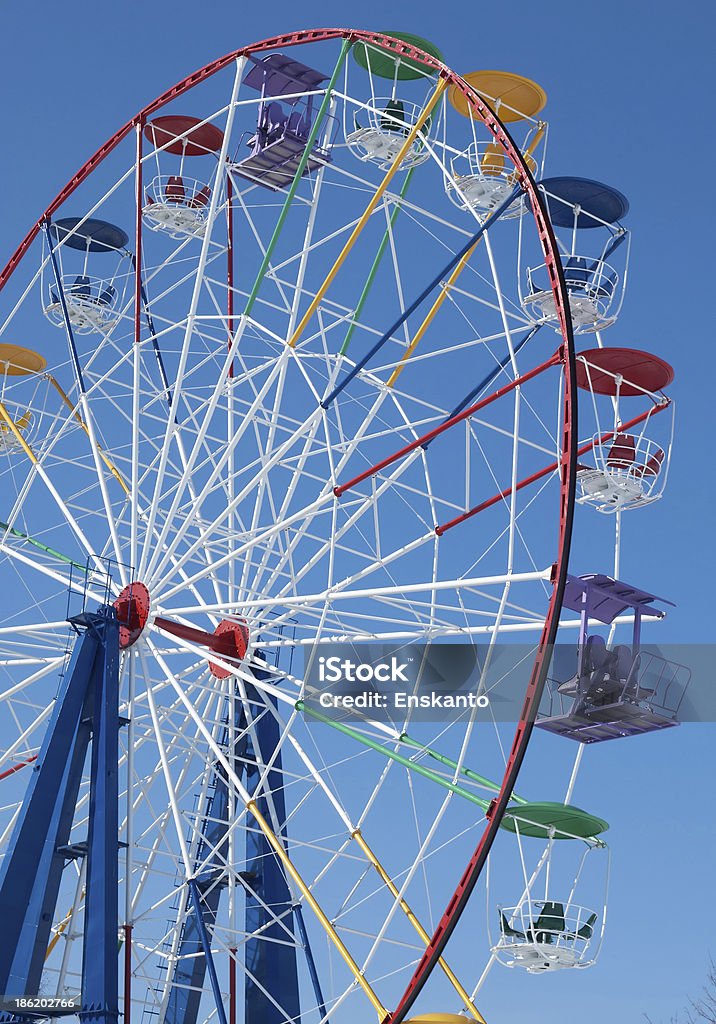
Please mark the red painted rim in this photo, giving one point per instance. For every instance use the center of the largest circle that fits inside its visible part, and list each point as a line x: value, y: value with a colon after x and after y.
x: 568, y: 467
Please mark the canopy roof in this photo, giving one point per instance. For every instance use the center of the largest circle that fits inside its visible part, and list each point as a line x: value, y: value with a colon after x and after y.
x: 382, y: 62
x: 192, y: 138
x: 593, y: 197
x: 608, y: 597
x: 538, y: 820
x: 94, y: 235
x: 522, y: 96
x: 278, y: 74
x: 641, y: 371
x: 17, y: 362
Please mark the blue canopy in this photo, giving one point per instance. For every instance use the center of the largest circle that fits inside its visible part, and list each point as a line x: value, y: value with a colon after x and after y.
x: 95, y: 235
x: 594, y: 198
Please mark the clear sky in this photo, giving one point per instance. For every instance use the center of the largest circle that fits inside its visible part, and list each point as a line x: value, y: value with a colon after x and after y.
x: 628, y: 87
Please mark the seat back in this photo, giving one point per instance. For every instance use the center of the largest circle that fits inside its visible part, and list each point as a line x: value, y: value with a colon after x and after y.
x: 507, y: 930
x: 550, y: 922
x: 202, y: 197
x: 623, y: 662
x: 622, y: 452
x: 587, y: 929
x: 652, y: 467
x: 596, y: 653
x: 297, y: 124
x: 174, y: 191
x: 395, y: 109
x: 603, y: 281
x: 276, y: 117
x: 80, y: 286
x: 493, y: 162
x: 576, y: 272
x: 108, y: 295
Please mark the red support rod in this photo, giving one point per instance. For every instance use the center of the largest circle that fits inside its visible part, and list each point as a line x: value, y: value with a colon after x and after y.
x: 127, y: 974
x: 458, y: 418
x: 17, y: 767
x: 230, y: 265
x: 232, y: 986
x: 195, y: 636
x: 444, y: 527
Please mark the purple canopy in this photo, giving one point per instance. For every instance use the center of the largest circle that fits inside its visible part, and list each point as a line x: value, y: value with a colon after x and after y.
x: 607, y: 598
x: 278, y: 75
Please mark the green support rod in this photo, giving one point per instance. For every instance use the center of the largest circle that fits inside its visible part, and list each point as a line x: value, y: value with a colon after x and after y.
x: 293, y: 188
x: 419, y: 769
x: 376, y: 263
x: 37, y: 544
x: 467, y: 772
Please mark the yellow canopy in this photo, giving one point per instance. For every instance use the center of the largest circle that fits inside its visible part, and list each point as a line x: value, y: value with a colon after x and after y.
x: 17, y: 362
x: 524, y: 96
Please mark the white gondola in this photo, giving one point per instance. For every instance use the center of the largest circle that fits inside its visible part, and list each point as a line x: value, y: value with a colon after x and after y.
x: 175, y: 203
x: 380, y: 130
x: 73, y: 295
x: 624, y: 467
x: 18, y: 368
x: 544, y: 935
x: 376, y: 131
x: 481, y: 176
x: 595, y: 276
x: 558, y: 922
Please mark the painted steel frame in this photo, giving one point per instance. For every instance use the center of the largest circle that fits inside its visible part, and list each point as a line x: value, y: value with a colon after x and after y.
x: 568, y: 462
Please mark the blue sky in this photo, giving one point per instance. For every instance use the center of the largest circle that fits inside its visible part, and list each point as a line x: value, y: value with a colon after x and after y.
x: 628, y: 87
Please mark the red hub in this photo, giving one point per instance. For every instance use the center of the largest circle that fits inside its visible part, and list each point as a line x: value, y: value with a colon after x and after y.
x: 132, y: 607
x: 230, y: 640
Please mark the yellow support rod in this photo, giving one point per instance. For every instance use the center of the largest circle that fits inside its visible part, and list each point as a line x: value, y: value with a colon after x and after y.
x: 377, y: 196
x: 535, y: 141
x: 60, y: 929
x: 107, y: 461
x: 444, y: 292
x: 18, y: 436
x: 385, y: 877
x: 330, y: 931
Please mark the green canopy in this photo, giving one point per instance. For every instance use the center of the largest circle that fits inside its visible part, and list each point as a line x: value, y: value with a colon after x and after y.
x: 538, y: 819
x: 381, y: 61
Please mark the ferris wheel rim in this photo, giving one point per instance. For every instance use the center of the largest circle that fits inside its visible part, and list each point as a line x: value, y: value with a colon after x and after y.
x: 568, y: 466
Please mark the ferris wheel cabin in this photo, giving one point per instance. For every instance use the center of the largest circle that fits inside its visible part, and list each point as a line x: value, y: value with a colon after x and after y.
x: 381, y: 126
x: 178, y: 203
x: 624, y: 467
x: 481, y: 177
x: 77, y: 297
x: 15, y: 418
x: 594, y: 276
x: 620, y: 690
x: 549, y: 929
x: 286, y: 116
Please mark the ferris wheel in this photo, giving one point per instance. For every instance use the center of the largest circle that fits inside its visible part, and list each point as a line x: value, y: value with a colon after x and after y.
x: 290, y: 364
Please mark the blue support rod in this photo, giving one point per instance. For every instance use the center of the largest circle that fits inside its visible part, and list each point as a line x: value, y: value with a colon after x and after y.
x: 31, y: 870
x: 491, y: 376
x: 206, y: 945
x: 65, y: 314
x: 100, y: 983
x: 311, y: 963
x: 421, y: 298
x: 149, y: 319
